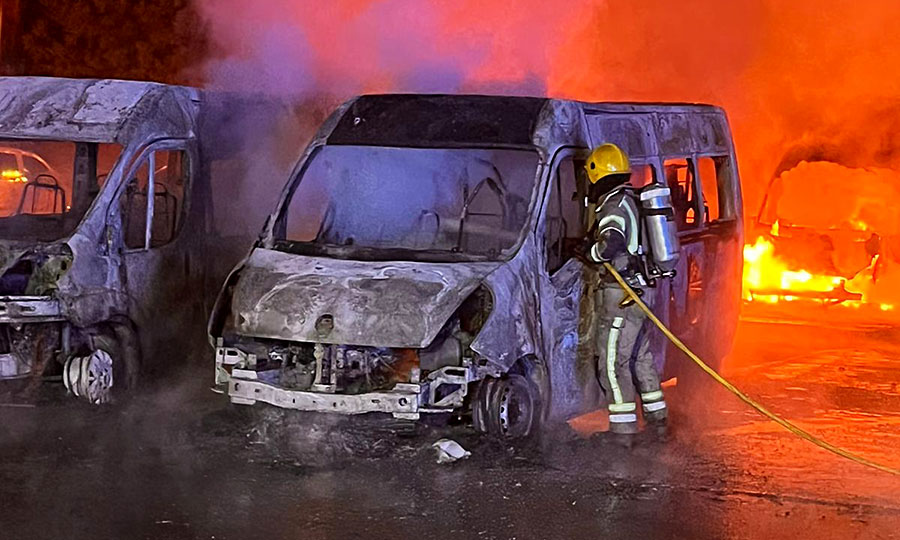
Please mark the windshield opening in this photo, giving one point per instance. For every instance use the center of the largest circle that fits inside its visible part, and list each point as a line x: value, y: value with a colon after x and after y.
x: 47, y: 186
x: 417, y: 203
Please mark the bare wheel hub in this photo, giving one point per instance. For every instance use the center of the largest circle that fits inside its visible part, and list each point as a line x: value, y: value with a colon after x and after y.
x: 515, y: 407
x: 90, y: 377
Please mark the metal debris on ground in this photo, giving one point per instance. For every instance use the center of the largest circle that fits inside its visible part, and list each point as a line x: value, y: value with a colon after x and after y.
x: 449, y: 451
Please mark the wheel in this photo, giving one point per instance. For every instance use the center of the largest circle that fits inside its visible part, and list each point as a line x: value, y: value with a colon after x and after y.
x: 108, y: 364
x: 509, y: 407
x: 90, y: 377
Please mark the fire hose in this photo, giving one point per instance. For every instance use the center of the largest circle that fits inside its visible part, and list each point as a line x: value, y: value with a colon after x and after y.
x: 796, y: 430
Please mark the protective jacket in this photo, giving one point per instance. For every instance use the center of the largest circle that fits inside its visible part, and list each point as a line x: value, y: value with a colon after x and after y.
x: 617, y: 235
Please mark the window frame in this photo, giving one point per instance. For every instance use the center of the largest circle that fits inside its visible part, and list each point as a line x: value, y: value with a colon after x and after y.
x: 691, y: 160
x: 728, y: 203
x: 732, y: 204
x: 274, y: 232
x: 564, y: 154
x: 148, y: 155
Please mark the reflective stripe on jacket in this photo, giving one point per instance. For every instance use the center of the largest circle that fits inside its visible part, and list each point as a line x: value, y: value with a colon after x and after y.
x: 618, y: 228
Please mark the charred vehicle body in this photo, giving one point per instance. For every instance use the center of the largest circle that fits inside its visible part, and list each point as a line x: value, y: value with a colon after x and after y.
x: 421, y: 258
x: 104, y: 214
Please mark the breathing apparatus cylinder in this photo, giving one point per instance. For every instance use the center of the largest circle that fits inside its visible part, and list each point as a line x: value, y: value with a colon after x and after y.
x: 660, y: 230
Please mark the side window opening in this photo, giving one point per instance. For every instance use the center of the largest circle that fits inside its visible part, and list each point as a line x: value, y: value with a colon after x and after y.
x: 718, y: 194
x: 642, y: 175
x: 681, y: 181
x: 565, y: 215
x: 168, y: 195
x: 133, y: 208
x: 163, y: 201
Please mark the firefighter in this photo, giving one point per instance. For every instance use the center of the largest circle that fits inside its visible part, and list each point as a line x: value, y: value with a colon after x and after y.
x: 623, y: 329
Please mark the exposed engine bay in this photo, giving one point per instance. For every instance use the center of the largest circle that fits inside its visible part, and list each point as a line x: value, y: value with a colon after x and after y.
x: 435, y: 376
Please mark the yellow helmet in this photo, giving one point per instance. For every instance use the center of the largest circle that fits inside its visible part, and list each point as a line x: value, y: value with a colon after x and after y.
x: 607, y: 159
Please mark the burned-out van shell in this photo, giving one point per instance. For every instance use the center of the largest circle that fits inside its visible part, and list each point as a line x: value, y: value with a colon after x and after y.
x: 539, y: 293
x: 139, y: 298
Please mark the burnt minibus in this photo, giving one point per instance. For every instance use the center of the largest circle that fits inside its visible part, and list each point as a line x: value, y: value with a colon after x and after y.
x: 105, y: 228
x: 421, y: 258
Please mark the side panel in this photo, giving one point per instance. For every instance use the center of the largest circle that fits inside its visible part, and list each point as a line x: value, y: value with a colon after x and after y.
x: 633, y: 133
x: 512, y: 329
x: 705, y: 297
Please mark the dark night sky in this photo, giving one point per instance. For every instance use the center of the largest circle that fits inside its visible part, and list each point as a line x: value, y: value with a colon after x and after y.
x: 161, y: 40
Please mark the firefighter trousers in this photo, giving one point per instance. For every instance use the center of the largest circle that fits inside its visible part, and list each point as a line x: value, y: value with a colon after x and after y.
x: 625, y: 366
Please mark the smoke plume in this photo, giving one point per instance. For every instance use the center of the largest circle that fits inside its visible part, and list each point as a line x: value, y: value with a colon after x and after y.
x: 787, y: 73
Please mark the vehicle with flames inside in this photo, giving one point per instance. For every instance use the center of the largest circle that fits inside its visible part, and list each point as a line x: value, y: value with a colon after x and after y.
x: 826, y: 234
x: 422, y: 258
x: 104, y: 221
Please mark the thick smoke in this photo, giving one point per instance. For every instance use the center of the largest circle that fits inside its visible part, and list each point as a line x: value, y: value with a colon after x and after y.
x: 344, y: 47
x: 788, y: 74
x: 317, y: 54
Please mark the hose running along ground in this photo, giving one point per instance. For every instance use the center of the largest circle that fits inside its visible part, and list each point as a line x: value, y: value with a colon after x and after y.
x: 744, y: 397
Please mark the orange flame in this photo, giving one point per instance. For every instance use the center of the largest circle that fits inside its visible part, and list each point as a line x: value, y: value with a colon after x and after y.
x: 767, y: 278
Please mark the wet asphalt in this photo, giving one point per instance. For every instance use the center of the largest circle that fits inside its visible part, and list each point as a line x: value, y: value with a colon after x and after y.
x: 175, y: 461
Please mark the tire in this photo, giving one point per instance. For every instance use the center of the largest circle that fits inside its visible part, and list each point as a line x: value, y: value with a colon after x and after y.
x: 481, y: 404
x: 511, y: 407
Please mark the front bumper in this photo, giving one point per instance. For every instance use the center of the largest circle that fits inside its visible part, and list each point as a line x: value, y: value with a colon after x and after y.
x: 29, y: 309
x: 402, y: 400
x: 441, y: 391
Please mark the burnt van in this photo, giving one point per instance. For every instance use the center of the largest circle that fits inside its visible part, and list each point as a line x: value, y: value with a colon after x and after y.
x: 105, y: 222
x: 421, y: 258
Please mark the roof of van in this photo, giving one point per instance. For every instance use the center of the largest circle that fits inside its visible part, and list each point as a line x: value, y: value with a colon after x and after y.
x: 650, y: 106
x: 490, y: 119
x: 88, y: 110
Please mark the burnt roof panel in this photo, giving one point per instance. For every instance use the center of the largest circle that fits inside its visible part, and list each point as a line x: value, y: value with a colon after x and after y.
x: 89, y: 110
x: 438, y: 120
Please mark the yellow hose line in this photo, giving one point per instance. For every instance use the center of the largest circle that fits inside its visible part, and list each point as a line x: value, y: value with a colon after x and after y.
x: 745, y: 398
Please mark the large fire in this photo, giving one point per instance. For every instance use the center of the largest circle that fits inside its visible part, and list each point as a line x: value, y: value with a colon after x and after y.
x: 767, y: 278
x: 827, y: 233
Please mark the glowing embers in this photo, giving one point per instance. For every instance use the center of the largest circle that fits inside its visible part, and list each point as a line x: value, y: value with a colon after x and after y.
x: 14, y: 176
